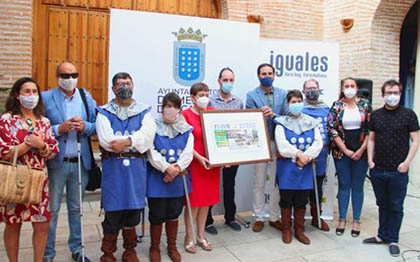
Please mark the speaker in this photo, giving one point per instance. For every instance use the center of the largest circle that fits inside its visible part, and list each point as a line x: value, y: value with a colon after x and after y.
x: 365, y: 88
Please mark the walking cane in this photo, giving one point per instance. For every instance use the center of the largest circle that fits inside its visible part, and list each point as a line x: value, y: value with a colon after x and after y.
x: 79, y: 165
x: 189, y: 206
x: 318, y: 212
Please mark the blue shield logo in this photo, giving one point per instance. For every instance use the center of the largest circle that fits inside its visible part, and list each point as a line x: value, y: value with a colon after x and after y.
x: 189, y: 61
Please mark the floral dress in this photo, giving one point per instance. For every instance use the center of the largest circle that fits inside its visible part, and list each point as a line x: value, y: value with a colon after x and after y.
x: 13, y: 133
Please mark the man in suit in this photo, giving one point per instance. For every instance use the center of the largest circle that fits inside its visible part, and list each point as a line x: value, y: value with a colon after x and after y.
x: 272, y: 101
x: 66, y: 111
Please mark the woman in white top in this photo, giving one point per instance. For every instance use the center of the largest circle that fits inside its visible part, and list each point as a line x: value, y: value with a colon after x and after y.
x: 348, y: 132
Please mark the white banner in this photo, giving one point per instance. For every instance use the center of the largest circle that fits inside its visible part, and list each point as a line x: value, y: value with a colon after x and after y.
x: 168, y: 53
x: 296, y: 61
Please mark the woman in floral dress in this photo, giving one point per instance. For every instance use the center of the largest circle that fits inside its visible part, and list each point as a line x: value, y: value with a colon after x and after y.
x: 24, y: 128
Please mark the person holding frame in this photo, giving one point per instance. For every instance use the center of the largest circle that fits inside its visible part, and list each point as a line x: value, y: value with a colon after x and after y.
x: 298, y: 141
x: 225, y: 100
x: 205, y: 181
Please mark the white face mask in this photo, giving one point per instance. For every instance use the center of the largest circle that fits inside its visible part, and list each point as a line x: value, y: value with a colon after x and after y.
x: 202, y: 102
x: 392, y: 100
x: 67, y: 84
x: 349, y: 92
x: 170, y: 113
x: 29, y: 102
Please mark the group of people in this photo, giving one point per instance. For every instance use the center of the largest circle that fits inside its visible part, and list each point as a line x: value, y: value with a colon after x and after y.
x: 164, y: 160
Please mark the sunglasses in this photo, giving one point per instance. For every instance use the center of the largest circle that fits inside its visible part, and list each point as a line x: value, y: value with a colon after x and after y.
x: 67, y: 76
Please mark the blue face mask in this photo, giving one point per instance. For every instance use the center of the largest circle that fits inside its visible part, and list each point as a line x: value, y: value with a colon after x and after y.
x: 266, y: 81
x: 296, y: 108
x: 227, y: 87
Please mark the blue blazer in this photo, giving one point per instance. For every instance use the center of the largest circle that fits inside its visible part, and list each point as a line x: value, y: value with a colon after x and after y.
x: 256, y: 99
x: 54, y: 110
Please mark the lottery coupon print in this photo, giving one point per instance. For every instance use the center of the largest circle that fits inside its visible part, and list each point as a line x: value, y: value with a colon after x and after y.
x: 236, y: 136
x: 233, y: 137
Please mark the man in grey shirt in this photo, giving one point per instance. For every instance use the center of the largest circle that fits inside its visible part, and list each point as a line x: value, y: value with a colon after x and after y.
x: 224, y: 100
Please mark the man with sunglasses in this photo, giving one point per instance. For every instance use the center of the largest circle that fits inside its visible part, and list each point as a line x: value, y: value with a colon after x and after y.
x: 65, y: 109
x: 225, y: 100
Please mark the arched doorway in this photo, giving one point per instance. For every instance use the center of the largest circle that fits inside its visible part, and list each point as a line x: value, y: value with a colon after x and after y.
x: 78, y: 31
x: 408, y: 51
x: 386, y: 27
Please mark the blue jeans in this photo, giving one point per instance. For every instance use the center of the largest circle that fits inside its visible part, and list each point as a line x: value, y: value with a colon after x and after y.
x: 351, y: 177
x: 65, y: 176
x: 390, y: 189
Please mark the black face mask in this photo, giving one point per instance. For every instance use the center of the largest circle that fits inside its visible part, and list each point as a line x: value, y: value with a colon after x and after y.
x: 124, y: 92
x: 312, y: 94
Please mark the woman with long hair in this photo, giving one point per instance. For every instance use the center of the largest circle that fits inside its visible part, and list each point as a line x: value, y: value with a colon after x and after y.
x: 24, y: 128
x: 348, y: 131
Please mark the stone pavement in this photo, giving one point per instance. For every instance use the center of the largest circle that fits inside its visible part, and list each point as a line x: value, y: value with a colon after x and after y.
x: 247, y: 246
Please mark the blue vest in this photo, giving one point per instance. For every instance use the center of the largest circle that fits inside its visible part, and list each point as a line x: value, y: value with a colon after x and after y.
x: 171, y: 149
x: 289, y: 174
x: 322, y: 115
x: 123, y: 179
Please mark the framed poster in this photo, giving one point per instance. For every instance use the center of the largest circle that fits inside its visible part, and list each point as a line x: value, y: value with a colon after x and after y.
x: 235, y: 137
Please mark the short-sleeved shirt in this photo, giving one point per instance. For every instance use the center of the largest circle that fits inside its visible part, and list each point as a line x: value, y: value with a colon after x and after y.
x: 392, y: 135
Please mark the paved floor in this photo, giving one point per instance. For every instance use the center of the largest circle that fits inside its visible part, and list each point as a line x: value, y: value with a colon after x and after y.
x: 248, y: 246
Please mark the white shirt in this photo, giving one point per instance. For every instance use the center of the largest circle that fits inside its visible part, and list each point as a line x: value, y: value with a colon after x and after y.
x: 141, y: 140
x: 287, y: 150
x: 351, y: 118
x: 159, y: 162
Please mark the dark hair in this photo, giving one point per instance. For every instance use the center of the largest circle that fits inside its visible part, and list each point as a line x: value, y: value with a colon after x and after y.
x: 264, y: 65
x: 391, y: 83
x: 173, y: 98
x: 294, y: 93
x: 223, y: 70
x: 120, y: 75
x: 342, y: 84
x: 310, y: 80
x: 13, y: 104
x: 197, y: 87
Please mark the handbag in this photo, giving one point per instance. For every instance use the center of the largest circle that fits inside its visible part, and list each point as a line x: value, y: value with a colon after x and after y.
x: 95, y: 173
x: 20, y: 184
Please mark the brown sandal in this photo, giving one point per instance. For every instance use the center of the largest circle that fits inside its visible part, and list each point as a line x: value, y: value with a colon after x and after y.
x: 190, y: 247
x: 204, y: 244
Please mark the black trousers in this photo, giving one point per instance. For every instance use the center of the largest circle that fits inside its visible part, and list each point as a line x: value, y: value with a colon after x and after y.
x: 115, y: 220
x: 229, y: 175
x: 319, y: 182
x: 294, y: 198
x: 163, y: 209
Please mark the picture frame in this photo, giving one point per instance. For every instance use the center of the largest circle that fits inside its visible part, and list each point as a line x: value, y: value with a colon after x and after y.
x: 235, y: 137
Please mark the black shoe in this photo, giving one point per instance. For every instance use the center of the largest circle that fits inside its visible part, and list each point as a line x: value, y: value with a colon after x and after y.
x: 339, y: 231
x: 235, y: 226
x: 355, y: 233
x: 372, y: 240
x: 394, y: 250
x: 78, y: 257
x: 211, y: 230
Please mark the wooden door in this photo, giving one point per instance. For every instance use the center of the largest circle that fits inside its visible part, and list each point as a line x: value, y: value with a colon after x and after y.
x: 78, y: 31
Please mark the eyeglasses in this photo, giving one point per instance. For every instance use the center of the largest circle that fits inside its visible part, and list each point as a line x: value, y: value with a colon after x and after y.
x: 67, y: 76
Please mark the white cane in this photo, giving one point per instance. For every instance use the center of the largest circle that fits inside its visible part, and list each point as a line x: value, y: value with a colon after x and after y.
x: 79, y: 165
x: 187, y: 197
x: 318, y: 212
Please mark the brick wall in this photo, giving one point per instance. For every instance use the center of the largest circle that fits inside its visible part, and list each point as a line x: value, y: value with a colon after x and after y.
x: 282, y: 18
x: 15, y: 40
